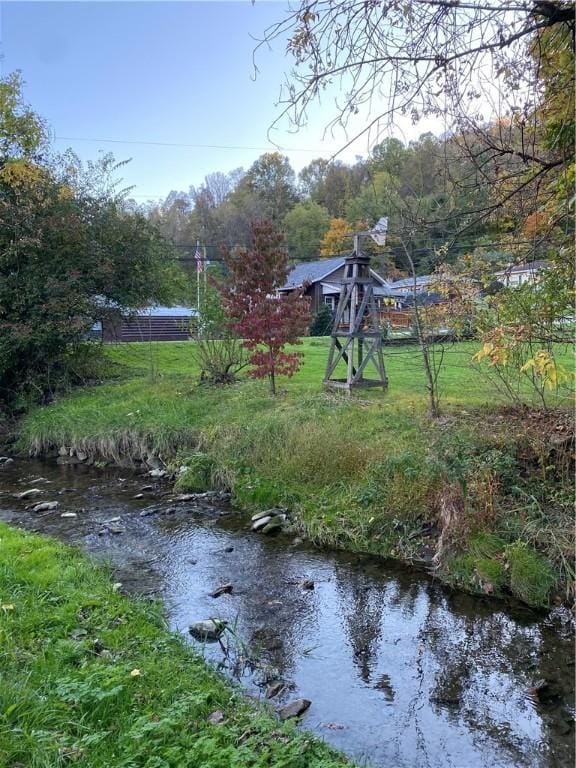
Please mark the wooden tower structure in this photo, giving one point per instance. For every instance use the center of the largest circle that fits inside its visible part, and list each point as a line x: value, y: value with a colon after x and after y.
x: 356, y: 336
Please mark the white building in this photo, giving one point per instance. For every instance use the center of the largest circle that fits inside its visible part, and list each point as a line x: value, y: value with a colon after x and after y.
x: 518, y: 274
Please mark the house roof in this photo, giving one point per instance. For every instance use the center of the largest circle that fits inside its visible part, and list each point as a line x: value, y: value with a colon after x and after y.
x: 315, y: 271
x: 157, y: 311
x: 529, y: 266
x: 408, y: 282
x: 311, y: 272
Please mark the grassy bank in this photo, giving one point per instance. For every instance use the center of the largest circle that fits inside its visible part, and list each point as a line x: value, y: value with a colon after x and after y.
x: 486, y: 490
x: 92, y: 679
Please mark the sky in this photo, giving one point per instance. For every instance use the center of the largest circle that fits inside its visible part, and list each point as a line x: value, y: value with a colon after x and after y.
x: 143, y: 75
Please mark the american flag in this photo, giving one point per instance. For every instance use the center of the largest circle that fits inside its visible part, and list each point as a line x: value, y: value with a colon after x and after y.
x: 199, y: 258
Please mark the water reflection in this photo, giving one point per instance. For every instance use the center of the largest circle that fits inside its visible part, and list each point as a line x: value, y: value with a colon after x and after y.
x: 400, y: 672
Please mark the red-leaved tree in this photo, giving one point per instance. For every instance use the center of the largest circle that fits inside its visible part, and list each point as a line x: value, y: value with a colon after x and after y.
x: 265, y: 320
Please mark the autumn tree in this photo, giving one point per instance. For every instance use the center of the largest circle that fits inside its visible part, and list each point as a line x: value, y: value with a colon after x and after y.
x: 338, y: 239
x: 265, y: 320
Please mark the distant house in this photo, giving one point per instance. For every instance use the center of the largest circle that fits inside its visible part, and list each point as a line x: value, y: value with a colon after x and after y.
x: 149, y: 324
x: 518, y: 274
x: 321, y: 282
x: 405, y: 286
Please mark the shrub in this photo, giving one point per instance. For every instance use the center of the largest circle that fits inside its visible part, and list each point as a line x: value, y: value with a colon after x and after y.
x: 322, y: 323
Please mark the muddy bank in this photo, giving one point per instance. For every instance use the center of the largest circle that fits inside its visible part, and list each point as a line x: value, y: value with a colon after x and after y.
x: 399, y: 671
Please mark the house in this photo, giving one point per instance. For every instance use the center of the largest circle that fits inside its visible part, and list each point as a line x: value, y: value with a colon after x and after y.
x: 405, y: 286
x: 519, y: 274
x: 148, y: 324
x: 321, y: 282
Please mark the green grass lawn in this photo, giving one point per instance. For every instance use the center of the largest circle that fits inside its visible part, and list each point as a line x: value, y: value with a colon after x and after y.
x: 94, y: 680
x: 364, y: 472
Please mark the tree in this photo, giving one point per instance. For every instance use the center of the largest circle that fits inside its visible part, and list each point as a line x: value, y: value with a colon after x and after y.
x: 306, y: 224
x: 484, y: 67
x: 69, y: 250
x: 338, y: 239
x: 272, y: 180
x: 266, y: 321
x: 23, y: 133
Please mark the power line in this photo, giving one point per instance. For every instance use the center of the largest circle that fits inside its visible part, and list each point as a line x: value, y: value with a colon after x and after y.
x: 426, y: 249
x: 185, y: 145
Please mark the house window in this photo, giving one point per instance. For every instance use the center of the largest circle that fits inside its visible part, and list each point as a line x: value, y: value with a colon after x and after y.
x: 331, y: 301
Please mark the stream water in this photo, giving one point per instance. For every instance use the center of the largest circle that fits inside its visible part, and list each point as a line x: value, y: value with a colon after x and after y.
x: 400, y: 671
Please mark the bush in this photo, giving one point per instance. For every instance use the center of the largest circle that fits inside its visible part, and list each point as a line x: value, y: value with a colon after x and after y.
x: 322, y: 323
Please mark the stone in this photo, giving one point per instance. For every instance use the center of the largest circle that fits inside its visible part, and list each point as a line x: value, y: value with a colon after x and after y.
x: 28, y: 494
x: 5, y: 460
x: 216, y: 718
x: 223, y: 589
x: 228, y: 549
x: 261, y: 523
x: 297, y: 541
x: 260, y: 515
x: 185, y: 497
x: 115, y: 529
x: 307, y: 584
x: 68, y: 514
x: 68, y: 460
x: 157, y: 473
x: 295, y: 708
x: 274, y: 689
x: 147, y: 488
x: 209, y: 629
x: 274, y: 526
x: 45, y: 506
x: 81, y: 456
x: 138, y: 496
x: 110, y: 528
x: 63, y: 451
x: 273, y: 512
x: 148, y: 512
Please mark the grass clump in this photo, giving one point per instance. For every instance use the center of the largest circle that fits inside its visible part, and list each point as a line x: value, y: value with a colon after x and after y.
x: 93, y: 679
x: 531, y: 576
x: 198, y: 473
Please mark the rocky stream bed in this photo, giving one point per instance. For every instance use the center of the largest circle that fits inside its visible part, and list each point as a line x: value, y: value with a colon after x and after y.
x: 378, y: 660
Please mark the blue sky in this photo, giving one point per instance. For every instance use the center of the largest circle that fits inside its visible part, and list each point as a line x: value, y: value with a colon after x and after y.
x: 173, y: 72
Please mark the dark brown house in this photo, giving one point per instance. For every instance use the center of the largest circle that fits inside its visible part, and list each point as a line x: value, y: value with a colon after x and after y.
x: 322, y: 281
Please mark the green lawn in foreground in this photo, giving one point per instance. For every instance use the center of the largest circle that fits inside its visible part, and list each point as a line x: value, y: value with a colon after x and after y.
x: 94, y: 680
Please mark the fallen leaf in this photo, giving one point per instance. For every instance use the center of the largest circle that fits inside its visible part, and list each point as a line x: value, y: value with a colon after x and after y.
x: 7, y: 606
x: 135, y: 673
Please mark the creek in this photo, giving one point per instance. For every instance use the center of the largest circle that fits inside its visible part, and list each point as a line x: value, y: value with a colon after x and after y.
x: 401, y: 672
